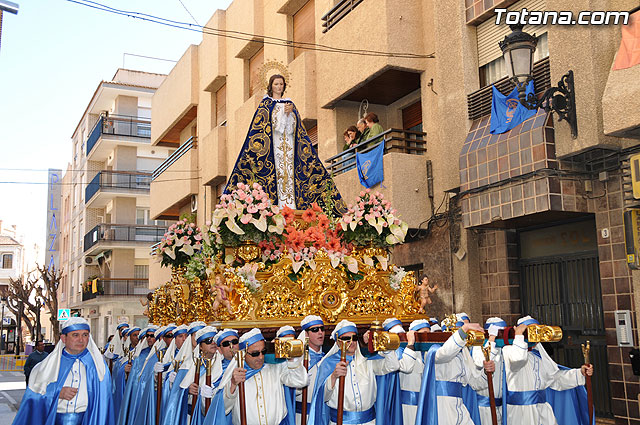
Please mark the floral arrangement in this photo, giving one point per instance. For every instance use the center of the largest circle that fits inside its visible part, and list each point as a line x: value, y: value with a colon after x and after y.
x: 201, y: 264
x: 247, y: 274
x: 181, y: 241
x: 395, y: 279
x: 372, y: 221
x: 245, y: 215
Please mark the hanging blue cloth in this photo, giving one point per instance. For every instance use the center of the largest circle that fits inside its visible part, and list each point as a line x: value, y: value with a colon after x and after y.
x: 39, y: 409
x: 256, y: 164
x: 370, y: 166
x: 507, y: 112
x: 216, y: 414
x: 176, y: 410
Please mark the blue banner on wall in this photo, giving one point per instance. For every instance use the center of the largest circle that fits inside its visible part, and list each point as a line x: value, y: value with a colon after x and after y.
x: 507, y: 112
x: 370, y: 166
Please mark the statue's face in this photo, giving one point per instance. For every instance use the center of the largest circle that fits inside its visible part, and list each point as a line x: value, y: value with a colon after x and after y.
x: 277, y: 87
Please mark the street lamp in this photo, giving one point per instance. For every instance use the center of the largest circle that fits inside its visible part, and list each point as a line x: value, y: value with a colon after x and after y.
x: 518, y: 49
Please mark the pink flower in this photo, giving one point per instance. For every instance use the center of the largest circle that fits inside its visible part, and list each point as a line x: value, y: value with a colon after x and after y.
x: 396, y: 222
x: 252, y: 209
x: 297, y: 256
x: 257, y: 186
x: 241, y: 195
x: 208, y: 223
x: 246, y: 218
x: 169, y: 242
x: 347, y: 219
x: 249, y: 199
x: 180, y: 231
x: 198, y: 237
x: 189, y: 232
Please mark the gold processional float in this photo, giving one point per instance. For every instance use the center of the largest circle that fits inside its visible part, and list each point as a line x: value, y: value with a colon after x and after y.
x: 258, y: 265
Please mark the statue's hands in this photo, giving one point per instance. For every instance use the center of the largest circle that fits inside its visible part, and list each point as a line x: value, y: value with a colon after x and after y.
x: 67, y: 393
x: 288, y: 108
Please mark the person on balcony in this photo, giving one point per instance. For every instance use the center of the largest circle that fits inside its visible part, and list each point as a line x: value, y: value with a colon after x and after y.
x: 278, y: 155
x: 361, y: 126
x: 373, y: 124
x: 351, y: 137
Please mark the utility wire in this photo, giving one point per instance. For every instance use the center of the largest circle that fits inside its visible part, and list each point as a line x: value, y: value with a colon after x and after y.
x: 185, y: 8
x: 244, y: 36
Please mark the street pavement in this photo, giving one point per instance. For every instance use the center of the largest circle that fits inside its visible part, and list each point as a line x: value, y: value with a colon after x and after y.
x: 12, y: 386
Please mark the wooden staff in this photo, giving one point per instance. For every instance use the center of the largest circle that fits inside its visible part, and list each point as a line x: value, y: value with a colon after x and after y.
x: 305, y: 363
x: 207, y: 364
x: 492, y: 397
x: 111, y: 360
x: 243, y: 406
x: 587, y: 380
x: 343, y: 358
x: 196, y: 380
x: 159, y: 390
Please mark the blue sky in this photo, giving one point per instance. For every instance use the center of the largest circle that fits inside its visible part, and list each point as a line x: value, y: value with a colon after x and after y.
x: 53, y: 55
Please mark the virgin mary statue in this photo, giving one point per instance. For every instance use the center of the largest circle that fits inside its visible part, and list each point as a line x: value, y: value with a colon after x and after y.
x: 278, y: 154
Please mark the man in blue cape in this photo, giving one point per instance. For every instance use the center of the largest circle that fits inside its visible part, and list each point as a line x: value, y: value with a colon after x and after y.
x: 145, y: 413
x: 119, y: 372
x: 535, y: 390
x: 265, y: 382
x: 449, y: 380
x: 360, y: 380
x: 72, y: 386
x: 129, y: 403
x: 313, y: 330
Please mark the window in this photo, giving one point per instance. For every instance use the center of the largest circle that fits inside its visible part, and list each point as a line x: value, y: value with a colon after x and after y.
x: 412, y: 117
x: 141, y: 272
x: 313, y: 136
x: 221, y: 105
x: 496, y: 69
x: 255, y: 63
x: 304, y: 27
x: 7, y: 261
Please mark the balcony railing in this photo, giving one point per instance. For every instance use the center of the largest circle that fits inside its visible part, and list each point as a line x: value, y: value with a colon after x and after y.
x: 119, y: 125
x: 395, y: 140
x: 117, y: 287
x: 339, y: 11
x: 117, y: 181
x: 123, y: 233
x: 183, y: 149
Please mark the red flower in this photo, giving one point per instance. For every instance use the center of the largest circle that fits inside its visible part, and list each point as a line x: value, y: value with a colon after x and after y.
x: 315, y: 207
x: 288, y: 214
x: 323, y: 221
x: 334, y: 244
x: 309, y: 216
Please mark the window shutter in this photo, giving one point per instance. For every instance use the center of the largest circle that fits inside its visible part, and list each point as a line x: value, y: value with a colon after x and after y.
x: 412, y: 115
x: 313, y: 135
x: 304, y: 26
x: 489, y: 34
x: 221, y: 105
x: 254, y: 68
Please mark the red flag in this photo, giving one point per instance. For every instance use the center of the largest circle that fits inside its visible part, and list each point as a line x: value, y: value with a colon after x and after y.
x: 629, y: 51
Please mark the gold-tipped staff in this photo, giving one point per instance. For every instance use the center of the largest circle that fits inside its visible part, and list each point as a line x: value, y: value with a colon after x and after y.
x: 492, y: 397
x: 159, y: 354
x: 344, y: 345
x: 305, y: 363
x: 587, y: 380
x: 243, y: 406
x: 196, y: 380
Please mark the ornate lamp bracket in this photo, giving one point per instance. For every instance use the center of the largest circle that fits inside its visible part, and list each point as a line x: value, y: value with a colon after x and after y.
x: 560, y: 99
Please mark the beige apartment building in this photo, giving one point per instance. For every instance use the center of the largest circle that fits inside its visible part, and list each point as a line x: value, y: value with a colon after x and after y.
x: 527, y: 222
x: 106, y: 229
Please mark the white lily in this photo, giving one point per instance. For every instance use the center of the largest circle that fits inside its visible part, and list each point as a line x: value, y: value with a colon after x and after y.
x: 352, y: 264
x: 233, y: 226
x: 383, y: 261
x: 261, y: 223
x: 169, y: 251
x: 187, y: 249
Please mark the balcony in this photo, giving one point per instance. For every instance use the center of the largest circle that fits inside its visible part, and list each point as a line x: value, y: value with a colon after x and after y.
x: 108, y: 184
x: 109, y: 236
x: 110, y: 130
x: 382, y: 80
x: 405, y: 173
x: 116, y: 287
x: 174, y: 181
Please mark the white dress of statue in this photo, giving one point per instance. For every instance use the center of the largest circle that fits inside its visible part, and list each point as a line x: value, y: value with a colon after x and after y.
x: 284, y: 125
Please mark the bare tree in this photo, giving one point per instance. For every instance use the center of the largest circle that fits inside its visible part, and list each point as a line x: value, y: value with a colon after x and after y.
x: 49, y: 294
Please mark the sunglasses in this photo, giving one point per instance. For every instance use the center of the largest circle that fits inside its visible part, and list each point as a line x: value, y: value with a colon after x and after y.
x: 149, y: 336
x: 348, y: 338
x: 258, y: 353
x: 316, y: 329
x: 207, y: 341
x: 169, y: 335
x: 229, y: 343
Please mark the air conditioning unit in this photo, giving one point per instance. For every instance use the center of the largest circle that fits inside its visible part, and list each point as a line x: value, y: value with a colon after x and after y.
x: 194, y: 203
x: 90, y: 260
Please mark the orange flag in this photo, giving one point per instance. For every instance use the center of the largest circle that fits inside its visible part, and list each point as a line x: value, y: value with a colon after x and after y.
x: 629, y: 51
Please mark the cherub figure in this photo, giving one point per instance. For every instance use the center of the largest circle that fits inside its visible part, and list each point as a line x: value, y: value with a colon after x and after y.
x: 423, y: 292
x: 221, y: 291
x: 145, y: 303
